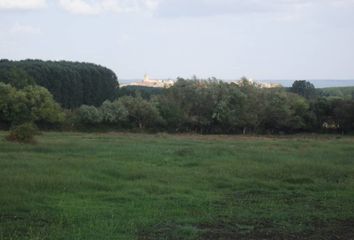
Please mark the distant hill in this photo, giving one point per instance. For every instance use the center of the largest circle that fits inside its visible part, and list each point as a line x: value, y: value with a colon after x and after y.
x: 318, y: 83
x: 285, y: 83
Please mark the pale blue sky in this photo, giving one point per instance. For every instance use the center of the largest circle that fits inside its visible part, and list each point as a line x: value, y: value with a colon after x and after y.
x: 261, y: 39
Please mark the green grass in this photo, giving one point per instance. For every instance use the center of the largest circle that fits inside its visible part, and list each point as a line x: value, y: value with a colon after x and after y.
x: 136, y: 186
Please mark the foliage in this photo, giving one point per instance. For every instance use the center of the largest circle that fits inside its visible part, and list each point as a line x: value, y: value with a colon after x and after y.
x: 141, y: 113
x: 23, y: 133
x: 191, y: 105
x: 132, y: 112
x: 346, y: 93
x: 144, y: 92
x: 89, y: 114
x: 214, y: 106
x: 14, y: 76
x: 30, y: 104
x: 114, y: 112
x: 285, y: 112
x: 71, y: 83
x: 304, y: 88
x: 343, y: 114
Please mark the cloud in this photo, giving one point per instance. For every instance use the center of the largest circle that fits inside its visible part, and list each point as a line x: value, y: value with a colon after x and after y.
x: 151, y: 4
x: 200, y: 8
x: 342, y: 3
x: 21, y: 4
x: 95, y: 7
x: 25, y: 29
x: 80, y: 7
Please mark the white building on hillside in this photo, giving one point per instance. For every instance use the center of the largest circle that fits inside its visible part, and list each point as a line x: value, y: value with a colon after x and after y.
x: 147, y: 82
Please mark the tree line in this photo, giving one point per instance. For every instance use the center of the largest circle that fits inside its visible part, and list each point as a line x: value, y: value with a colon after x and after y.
x: 207, y: 106
x: 72, y: 84
x: 214, y: 106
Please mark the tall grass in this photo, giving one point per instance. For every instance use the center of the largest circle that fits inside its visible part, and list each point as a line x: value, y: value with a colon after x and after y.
x: 136, y: 186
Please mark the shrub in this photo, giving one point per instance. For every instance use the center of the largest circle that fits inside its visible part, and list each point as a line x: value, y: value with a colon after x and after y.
x: 113, y: 112
x: 23, y: 133
x: 30, y: 104
x: 89, y: 115
x: 141, y: 113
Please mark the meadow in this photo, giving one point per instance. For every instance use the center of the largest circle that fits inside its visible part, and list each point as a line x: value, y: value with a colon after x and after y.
x: 141, y: 186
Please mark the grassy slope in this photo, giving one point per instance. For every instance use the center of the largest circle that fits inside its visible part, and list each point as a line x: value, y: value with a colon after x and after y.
x: 126, y: 186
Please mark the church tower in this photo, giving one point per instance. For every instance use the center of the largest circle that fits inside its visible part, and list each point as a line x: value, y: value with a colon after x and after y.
x: 146, y: 78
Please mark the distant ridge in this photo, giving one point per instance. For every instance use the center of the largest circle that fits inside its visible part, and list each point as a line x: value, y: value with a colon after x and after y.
x: 319, y: 83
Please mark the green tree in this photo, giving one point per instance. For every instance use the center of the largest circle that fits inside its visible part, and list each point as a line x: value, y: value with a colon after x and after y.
x: 141, y: 113
x: 89, y: 115
x: 343, y: 115
x: 113, y: 112
x: 30, y: 104
x: 7, y: 98
x: 171, y: 112
x: 304, y: 88
x: 71, y: 83
x: 40, y: 105
x: 284, y: 112
x: 23, y: 108
x: 251, y: 111
x: 321, y: 109
x: 16, y: 77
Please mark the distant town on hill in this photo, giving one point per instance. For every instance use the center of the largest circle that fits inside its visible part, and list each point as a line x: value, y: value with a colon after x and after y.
x: 318, y: 83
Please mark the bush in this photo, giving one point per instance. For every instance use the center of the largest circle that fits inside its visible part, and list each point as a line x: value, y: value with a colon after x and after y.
x: 89, y: 115
x: 30, y: 104
x: 113, y: 112
x: 23, y: 133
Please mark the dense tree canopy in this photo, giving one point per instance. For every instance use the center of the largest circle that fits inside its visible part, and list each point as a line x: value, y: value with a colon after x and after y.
x: 128, y: 111
x: 192, y: 105
x: 304, y: 88
x: 71, y: 83
x: 213, y: 106
x: 30, y: 104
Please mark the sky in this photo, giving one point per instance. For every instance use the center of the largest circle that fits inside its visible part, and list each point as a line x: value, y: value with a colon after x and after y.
x: 227, y: 39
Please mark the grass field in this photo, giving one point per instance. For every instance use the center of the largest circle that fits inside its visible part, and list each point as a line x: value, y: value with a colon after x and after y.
x: 136, y: 186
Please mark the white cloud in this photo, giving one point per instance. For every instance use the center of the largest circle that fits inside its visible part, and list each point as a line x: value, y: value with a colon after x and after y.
x: 200, y: 8
x: 94, y: 7
x: 80, y: 7
x: 342, y: 3
x: 152, y: 4
x: 21, y: 4
x: 25, y: 29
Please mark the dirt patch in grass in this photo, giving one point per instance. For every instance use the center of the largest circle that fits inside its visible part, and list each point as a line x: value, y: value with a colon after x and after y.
x: 333, y: 230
